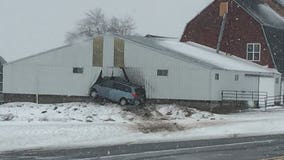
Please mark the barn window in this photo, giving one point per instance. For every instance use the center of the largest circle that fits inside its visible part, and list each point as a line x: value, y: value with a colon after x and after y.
x: 236, y: 77
x: 217, y: 77
x: 78, y: 70
x: 162, y: 72
x: 253, y: 51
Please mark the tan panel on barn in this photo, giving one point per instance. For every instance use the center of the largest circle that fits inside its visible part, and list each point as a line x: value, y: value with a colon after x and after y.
x: 118, y: 52
x: 98, y: 45
x: 223, y: 8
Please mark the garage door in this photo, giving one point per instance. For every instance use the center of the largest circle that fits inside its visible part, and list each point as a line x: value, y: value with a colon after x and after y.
x: 266, y: 84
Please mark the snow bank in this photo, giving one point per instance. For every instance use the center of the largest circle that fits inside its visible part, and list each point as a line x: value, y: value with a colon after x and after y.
x: 88, y: 124
x: 82, y: 112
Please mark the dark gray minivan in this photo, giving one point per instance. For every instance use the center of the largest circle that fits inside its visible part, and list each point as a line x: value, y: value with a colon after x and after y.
x: 119, y: 90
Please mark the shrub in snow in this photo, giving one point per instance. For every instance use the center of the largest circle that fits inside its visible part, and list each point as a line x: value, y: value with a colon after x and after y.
x: 109, y: 120
x: 45, y: 119
x: 89, y: 119
x: 159, y: 127
x: 7, y: 117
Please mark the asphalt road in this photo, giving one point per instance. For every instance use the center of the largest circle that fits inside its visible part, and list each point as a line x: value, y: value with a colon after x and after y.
x: 245, y: 148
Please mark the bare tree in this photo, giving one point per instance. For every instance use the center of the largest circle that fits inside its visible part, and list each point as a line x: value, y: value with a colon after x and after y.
x: 127, y: 26
x: 96, y: 23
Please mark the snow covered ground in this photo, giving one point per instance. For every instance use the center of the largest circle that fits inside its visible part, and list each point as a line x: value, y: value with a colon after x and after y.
x: 28, y: 125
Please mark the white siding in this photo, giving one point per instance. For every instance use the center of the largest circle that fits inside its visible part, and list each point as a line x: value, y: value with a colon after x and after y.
x: 108, y: 52
x: 227, y: 82
x: 184, y: 80
x: 52, y: 73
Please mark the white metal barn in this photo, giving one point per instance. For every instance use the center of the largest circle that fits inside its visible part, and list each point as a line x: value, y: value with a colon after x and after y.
x: 168, y: 69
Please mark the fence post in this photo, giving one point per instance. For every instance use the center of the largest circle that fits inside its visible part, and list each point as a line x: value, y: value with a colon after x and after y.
x: 36, y: 98
x: 265, y: 103
x: 236, y: 98
x: 222, y: 94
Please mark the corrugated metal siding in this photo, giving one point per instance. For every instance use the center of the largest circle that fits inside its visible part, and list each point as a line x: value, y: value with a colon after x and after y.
x: 227, y: 82
x: 184, y: 80
x: 52, y: 73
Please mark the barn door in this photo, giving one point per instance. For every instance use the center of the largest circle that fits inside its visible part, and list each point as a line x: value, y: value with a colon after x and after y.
x: 266, y: 84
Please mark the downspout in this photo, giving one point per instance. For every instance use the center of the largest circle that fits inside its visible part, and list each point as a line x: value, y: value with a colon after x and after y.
x: 220, y: 37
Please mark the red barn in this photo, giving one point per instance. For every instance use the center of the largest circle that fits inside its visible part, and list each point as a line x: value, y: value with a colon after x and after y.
x: 250, y: 29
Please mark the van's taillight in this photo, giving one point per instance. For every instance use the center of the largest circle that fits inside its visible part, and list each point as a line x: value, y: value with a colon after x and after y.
x: 134, y: 95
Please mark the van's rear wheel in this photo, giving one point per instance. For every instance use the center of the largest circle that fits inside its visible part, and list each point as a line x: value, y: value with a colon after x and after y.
x: 94, y: 94
x: 123, y: 102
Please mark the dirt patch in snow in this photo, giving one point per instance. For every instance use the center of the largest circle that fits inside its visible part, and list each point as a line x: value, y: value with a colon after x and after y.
x: 145, y: 113
x: 6, y: 117
x: 169, y: 112
x: 151, y: 127
x: 166, y: 118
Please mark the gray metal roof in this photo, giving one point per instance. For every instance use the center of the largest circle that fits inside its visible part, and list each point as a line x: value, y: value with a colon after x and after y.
x: 262, y: 12
x: 275, y: 37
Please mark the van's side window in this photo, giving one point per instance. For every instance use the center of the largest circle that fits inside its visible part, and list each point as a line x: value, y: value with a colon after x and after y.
x: 107, y: 84
x: 121, y: 87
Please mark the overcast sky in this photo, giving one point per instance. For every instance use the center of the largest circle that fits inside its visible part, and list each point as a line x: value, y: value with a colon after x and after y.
x: 31, y: 26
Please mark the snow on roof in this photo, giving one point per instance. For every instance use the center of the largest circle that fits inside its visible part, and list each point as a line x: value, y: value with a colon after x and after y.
x: 263, y: 13
x: 209, y: 56
x: 269, y: 14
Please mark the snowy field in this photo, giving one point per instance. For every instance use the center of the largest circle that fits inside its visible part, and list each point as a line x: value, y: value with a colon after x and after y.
x: 28, y: 125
